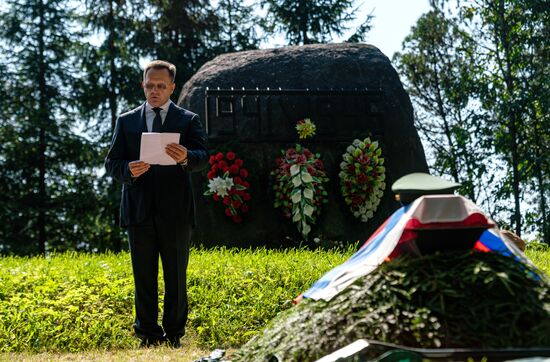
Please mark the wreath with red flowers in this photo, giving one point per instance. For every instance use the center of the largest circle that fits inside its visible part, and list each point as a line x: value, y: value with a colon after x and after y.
x: 227, y: 184
x: 362, y: 177
x: 299, y: 186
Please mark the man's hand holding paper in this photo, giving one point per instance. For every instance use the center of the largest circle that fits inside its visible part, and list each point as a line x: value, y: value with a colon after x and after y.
x: 177, y: 152
x: 138, y: 168
x: 161, y: 149
x: 158, y: 149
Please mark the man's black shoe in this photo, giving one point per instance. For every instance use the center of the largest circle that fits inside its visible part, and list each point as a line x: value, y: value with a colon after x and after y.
x: 151, y: 342
x: 173, y: 341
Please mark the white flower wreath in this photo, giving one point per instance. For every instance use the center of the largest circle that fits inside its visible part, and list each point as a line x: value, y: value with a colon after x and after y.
x: 362, y: 176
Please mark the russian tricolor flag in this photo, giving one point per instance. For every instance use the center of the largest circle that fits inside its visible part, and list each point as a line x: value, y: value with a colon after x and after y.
x: 431, y: 222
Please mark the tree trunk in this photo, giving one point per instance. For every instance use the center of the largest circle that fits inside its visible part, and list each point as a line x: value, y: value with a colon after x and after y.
x: 230, y: 19
x: 112, y: 67
x: 540, y: 177
x: 113, y: 106
x: 43, y: 120
x: 542, y: 206
x: 303, y: 22
x: 513, y: 116
x: 446, y: 129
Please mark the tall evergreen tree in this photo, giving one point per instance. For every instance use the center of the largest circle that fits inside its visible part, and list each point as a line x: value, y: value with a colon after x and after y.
x: 308, y: 21
x: 6, y: 139
x: 361, y: 32
x: 44, y: 162
x: 111, y: 68
x: 237, y: 26
x: 182, y: 32
x: 108, y: 86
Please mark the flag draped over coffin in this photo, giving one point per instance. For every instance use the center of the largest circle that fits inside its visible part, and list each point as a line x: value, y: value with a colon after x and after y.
x: 437, y: 214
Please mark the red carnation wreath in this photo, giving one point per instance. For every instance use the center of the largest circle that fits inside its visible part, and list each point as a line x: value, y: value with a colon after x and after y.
x: 227, y: 184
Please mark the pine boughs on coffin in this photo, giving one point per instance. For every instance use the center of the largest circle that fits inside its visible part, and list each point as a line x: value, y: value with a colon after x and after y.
x: 474, y: 300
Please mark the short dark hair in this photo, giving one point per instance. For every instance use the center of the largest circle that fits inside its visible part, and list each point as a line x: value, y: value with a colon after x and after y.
x: 161, y: 64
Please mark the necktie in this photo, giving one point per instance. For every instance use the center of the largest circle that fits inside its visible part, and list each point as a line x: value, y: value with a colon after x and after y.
x: 157, y: 121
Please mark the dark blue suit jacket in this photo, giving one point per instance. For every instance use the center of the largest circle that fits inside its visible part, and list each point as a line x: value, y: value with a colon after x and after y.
x: 165, y: 189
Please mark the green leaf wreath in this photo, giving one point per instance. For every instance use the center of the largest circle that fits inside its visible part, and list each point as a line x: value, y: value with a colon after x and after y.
x: 362, y: 178
x: 299, y: 184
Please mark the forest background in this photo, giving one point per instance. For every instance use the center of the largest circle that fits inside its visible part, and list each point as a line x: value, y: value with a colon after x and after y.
x: 477, y: 72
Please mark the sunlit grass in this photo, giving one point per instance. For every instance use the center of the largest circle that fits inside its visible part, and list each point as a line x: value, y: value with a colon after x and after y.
x: 80, y: 302
x: 74, y: 302
x: 540, y: 255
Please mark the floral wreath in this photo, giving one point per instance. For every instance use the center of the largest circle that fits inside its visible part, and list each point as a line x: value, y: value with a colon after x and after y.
x: 227, y: 184
x: 362, y: 178
x: 299, y: 182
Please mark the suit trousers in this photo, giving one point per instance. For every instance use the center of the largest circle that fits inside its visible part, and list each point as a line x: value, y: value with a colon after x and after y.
x: 148, y: 240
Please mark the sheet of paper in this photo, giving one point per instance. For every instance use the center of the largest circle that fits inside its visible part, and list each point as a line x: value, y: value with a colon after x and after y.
x: 152, y: 148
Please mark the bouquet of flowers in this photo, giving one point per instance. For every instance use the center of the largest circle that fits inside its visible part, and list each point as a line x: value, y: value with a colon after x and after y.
x: 362, y: 178
x: 299, y: 186
x: 227, y: 184
x: 305, y: 128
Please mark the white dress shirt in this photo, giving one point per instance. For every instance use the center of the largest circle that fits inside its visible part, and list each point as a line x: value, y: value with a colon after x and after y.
x: 150, y: 114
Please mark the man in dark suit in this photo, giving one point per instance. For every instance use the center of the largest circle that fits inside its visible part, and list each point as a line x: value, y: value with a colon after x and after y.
x: 157, y: 203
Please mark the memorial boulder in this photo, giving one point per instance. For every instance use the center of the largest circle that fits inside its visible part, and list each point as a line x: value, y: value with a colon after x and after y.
x: 249, y: 103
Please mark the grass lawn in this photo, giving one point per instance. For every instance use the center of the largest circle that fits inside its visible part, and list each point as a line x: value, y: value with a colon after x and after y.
x: 78, y: 307
x: 84, y: 302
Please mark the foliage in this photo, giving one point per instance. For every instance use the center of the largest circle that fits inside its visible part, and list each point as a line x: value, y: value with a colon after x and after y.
x: 445, y: 300
x: 479, y: 74
x: 181, y: 32
x: 108, y: 85
x: 513, y: 37
x: 308, y: 21
x: 362, y: 177
x: 361, y: 32
x: 237, y: 27
x: 441, y: 76
x: 77, y: 302
x: 48, y: 189
x: 227, y: 184
x: 69, y: 70
x: 299, y: 186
